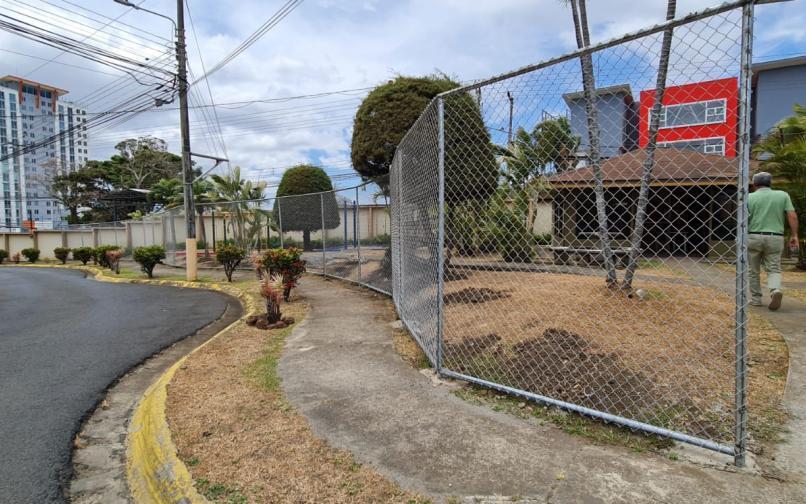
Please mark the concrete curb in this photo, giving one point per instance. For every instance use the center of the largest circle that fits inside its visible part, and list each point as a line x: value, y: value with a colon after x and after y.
x: 154, y: 472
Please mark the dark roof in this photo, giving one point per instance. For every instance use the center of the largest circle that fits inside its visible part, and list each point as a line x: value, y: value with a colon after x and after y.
x: 672, y: 167
x: 779, y: 63
x: 602, y: 91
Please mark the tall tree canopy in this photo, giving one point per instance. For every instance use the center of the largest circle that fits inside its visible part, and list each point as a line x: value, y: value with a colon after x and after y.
x: 390, y: 110
x: 304, y: 213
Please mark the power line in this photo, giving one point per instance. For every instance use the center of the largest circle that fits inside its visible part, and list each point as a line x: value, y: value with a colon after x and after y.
x: 207, y: 83
x: 165, y: 39
x: 278, y: 16
x: 41, y: 11
x: 79, y: 67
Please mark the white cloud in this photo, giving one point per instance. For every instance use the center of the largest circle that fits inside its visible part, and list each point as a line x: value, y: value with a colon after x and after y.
x: 328, y: 45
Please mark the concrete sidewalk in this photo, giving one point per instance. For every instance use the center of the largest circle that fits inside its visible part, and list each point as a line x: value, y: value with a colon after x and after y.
x: 341, y: 371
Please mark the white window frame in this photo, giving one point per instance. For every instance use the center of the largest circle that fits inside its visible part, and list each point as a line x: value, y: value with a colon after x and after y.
x: 720, y: 153
x: 724, y: 118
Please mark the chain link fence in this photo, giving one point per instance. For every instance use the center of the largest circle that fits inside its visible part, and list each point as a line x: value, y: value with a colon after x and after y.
x: 558, y: 230
x: 344, y: 233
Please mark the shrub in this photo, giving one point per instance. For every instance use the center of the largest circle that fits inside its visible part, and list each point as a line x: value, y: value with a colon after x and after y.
x: 113, y: 258
x: 272, y: 298
x: 31, y: 254
x: 3, y: 255
x: 61, y: 254
x: 286, y: 264
x: 512, y: 238
x: 16, y: 258
x: 83, y: 254
x: 148, y: 258
x: 99, y: 254
x: 230, y: 256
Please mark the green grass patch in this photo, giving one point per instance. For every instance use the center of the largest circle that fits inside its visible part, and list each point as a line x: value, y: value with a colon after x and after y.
x: 263, y: 371
x: 571, y: 423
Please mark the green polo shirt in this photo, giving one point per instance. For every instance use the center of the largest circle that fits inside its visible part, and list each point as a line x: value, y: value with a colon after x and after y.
x: 767, y: 209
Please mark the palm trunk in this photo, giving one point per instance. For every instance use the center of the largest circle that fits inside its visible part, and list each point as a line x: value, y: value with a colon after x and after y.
x: 589, y: 89
x: 654, y: 125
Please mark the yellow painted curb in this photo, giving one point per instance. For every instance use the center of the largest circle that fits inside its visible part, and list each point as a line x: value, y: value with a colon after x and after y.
x: 153, y: 470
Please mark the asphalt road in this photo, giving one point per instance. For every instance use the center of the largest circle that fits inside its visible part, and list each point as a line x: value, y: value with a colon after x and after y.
x: 63, y: 340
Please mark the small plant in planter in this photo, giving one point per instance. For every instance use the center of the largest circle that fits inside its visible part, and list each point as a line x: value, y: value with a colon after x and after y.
x: 99, y: 255
x: 3, y: 255
x: 148, y: 258
x: 287, y: 264
x: 113, y: 258
x: 31, y: 254
x: 16, y: 258
x: 83, y: 254
x: 230, y: 256
x: 61, y: 254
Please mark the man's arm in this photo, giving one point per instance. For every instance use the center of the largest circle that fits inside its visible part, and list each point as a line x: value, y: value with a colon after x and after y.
x: 792, y: 218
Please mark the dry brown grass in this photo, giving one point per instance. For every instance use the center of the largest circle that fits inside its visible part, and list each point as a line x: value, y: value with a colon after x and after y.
x: 666, y: 360
x: 244, y: 443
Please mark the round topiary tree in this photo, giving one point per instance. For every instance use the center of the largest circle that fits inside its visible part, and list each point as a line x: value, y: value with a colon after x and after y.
x: 391, y: 109
x: 304, y: 213
x: 471, y: 170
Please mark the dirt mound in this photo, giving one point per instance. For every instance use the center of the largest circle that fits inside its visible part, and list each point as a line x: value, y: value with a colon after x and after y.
x: 565, y: 366
x: 475, y: 295
x: 471, y: 347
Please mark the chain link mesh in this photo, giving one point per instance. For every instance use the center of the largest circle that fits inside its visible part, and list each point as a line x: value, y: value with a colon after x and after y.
x: 630, y: 317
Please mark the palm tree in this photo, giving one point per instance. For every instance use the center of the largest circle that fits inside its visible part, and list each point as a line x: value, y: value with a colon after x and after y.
x: 783, y: 153
x: 580, y: 15
x: 236, y: 193
x: 654, y: 125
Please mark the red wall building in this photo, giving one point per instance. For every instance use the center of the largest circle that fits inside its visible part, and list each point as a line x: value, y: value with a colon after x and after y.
x: 702, y: 116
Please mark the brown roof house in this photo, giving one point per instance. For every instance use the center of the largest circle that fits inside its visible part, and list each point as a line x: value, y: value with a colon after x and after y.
x: 691, y: 211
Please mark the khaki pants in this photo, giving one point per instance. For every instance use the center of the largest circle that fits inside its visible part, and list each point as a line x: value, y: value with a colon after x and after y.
x: 766, y: 250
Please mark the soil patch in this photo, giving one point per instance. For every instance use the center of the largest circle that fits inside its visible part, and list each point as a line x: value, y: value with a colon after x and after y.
x: 667, y: 360
x: 474, y: 295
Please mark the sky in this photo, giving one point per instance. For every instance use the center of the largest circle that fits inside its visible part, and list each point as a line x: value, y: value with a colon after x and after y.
x: 320, y: 47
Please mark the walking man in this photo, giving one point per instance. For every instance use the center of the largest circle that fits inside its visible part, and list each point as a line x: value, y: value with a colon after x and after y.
x: 768, y: 209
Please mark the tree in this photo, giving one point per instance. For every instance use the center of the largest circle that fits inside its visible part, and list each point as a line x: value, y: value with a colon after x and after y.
x: 783, y: 153
x: 169, y: 193
x: 306, y: 213
x: 236, y: 192
x: 390, y: 110
x: 654, y: 125
x: 144, y: 161
x: 529, y: 157
x: 580, y: 15
x: 74, y: 190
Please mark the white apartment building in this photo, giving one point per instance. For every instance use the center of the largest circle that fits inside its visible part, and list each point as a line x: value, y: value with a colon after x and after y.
x: 32, y: 113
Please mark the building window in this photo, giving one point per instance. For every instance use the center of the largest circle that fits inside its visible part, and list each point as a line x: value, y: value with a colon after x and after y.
x: 703, y: 145
x: 693, y: 114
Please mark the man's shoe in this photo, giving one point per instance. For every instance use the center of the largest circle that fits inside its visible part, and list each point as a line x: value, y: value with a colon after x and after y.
x: 777, y: 296
x: 756, y: 302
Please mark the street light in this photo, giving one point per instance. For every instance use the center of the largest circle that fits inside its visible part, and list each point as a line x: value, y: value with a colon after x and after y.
x: 184, y: 126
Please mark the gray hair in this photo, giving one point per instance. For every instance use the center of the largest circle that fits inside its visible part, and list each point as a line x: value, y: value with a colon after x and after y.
x: 762, y: 179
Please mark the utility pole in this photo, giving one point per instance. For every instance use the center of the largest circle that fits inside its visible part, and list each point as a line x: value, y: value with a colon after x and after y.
x: 511, y: 110
x: 184, y: 126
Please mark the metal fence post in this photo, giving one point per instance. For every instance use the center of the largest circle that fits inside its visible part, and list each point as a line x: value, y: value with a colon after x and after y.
x: 324, y: 238
x: 358, y: 225
x: 280, y: 220
x: 143, y: 224
x: 212, y: 216
x: 741, y: 235
x: 440, y: 231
